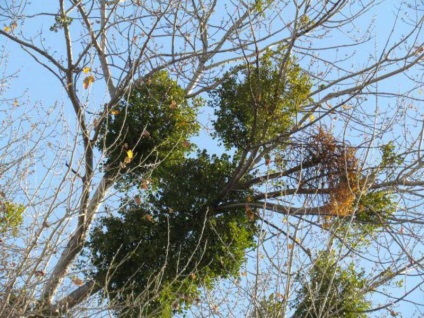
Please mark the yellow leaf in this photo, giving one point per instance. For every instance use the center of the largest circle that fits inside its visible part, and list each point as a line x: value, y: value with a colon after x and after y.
x: 87, y: 81
x: 173, y: 104
x: 311, y: 118
x: 249, y: 213
x: 7, y: 29
x: 145, y: 184
x: 86, y: 69
x: 115, y: 112
x: 186, y: 144
x: 76, y: 280
x: 39, y: 273
x: 137, y: 199
x: 129, y: 157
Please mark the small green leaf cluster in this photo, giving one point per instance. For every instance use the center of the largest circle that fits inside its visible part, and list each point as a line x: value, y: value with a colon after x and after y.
x: 178, y: 238
x: 10, y: 216
x: 155, y: 123
x: 257, y: 104
x: 375, y: 207
x: 389, y: 156
x: 61, y: 21
x: 332, y: 291
x: 304, y: 20
x: 259, y: 5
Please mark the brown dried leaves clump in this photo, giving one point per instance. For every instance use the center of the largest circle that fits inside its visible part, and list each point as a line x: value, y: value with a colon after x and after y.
x: 337, y: 170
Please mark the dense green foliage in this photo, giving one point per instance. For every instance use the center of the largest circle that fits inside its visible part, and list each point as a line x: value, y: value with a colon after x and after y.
x: 155, y: 123
x: 389, y: 156
x: 329, y: 290
x: 258, y: 104
x: 176, y: 237
x: 375, y: 207
x: 10, y: 216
